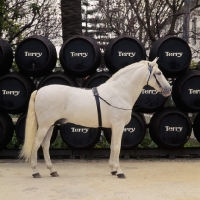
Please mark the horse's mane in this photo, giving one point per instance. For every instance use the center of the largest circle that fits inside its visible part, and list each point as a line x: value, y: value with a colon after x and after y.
x: 125, y: 69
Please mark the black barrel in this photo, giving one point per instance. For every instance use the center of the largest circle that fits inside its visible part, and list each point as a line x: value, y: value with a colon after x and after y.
x: 36, y: 56
x: 170, y: 128
x: 6, y: 129
x: 174, y: 55
x: 80, y: 56
x: 196, y: 127
x: 20, y: 129
x: 133, y: 133
x: 96, y: 79
x: 79, y: 137
x: 15, y: 91
x: 149, y: 100
x: 6, y: 57
x: 186, y: 92
x: 122, y: 51
x: 57, y: 78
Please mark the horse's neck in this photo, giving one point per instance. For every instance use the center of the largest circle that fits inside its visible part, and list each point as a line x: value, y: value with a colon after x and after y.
x: 130, y: 83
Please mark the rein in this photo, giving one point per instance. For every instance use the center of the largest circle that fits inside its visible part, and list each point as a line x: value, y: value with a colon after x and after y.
x: 146, y: 103
x: 96, y: 94
x: 97, y: 97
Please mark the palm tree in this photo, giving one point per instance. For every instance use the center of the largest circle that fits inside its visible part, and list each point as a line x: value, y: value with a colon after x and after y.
x: 71, y: 18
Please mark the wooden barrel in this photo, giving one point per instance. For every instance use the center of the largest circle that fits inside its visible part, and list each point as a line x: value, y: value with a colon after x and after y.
x: 15, y: 92
x: 196, y: 127
x: 149, y: 100
x: 6, y: 57
x: 57, y: 78
x: 174, y: 55
x: 36, y: 56
x: 96, y: 79
x: 186, y: 92
x: 6, y: 129
x: 20, y: 129
x: 122, y: 51
x: 79, y: 137
x: 133, y: 133
x: 170, y: 128
x: 80, y: 56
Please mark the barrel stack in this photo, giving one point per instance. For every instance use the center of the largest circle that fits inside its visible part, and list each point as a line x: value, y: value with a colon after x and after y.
x: 80, y: 57
x: 171, y: 127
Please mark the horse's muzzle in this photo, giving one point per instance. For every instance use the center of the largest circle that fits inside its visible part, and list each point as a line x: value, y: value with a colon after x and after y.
x: 166, y: 91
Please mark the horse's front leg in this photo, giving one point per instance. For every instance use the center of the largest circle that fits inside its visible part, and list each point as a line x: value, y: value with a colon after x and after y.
x: 41, y: 132
x: 117, y: 131
x: 45, y: 146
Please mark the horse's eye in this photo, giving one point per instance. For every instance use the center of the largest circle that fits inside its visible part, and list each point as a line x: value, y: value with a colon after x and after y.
x: 159, y: 73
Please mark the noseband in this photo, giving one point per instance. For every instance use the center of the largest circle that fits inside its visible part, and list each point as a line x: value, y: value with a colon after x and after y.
x: 150, y: 68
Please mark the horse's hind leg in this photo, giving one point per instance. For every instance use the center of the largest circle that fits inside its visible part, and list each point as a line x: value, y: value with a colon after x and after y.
x: 117, y: 132
x: 41, y: 132
x: 45, y: 146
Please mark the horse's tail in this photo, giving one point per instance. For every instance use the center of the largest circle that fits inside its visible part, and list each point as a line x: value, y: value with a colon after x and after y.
x: 30, y: 130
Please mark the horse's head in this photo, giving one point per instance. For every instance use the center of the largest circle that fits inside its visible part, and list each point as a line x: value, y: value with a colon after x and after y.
x: 157, y: 80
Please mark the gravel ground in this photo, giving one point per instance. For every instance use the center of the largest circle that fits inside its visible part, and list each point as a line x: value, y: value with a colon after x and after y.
x: 147, y: 179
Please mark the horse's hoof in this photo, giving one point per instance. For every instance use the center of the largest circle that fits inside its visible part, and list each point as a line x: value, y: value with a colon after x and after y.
x: 114, y: 172
x: 36, y: 175
x: 54, y: 174
x: 121, y: 176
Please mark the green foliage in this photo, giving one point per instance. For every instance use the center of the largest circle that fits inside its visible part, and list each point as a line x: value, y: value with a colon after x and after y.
x: 147, y: 142
x: 102, y: 143
x: 193, y: 65
x: 192, y: 143
x: 14, y: 144
x: 35, y: 8
x: 15, y: 67
x: 58, y: 143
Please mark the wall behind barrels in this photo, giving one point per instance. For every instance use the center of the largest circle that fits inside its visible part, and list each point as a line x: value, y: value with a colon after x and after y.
x: 80, y: 57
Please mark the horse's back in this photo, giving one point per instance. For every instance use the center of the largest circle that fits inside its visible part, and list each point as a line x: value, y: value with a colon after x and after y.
x: 74, y: 104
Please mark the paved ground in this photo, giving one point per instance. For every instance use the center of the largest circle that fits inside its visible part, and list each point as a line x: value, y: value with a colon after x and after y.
x: 147, y: 179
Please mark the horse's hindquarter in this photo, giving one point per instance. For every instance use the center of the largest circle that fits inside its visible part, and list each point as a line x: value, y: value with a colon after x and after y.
x: 76, y: 105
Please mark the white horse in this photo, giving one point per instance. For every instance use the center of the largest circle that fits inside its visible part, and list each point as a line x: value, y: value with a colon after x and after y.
x: 57, y: 103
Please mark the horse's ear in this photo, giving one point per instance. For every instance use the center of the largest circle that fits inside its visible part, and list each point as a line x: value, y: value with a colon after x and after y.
x: 153, y: 63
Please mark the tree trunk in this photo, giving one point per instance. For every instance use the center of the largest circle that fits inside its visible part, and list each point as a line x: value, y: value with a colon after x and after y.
x: 1, y: 16
x: 71, y: 18
x: 186, y: 21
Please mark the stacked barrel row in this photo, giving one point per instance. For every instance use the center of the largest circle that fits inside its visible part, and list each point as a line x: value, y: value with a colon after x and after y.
x: 80, y: 57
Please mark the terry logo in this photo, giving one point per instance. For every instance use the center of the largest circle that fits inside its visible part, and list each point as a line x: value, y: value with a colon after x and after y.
x: 83, y: 130
x: 74, y: 54
x: 149, y: 91
x: 130, y: 130
x: 31, y: 54
x: 177, y: 129
x: 126, y: 54
x: 14, y: 93
x: 178, y: 54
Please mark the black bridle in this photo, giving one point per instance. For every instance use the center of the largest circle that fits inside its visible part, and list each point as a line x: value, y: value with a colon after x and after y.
x: 150, y: 68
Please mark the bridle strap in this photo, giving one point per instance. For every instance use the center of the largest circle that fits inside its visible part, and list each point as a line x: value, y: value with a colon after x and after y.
x: 150, y: 68
x: 157, y: 80
x: 96, y: 94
